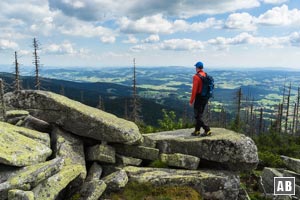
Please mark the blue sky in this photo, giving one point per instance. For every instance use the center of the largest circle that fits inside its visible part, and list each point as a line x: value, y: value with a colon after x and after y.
x: 100, y: 33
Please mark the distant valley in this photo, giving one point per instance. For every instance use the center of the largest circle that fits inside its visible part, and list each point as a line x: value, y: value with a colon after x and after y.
x: 166, y: 87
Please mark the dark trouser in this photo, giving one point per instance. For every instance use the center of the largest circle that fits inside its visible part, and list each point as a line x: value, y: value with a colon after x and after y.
x: 199, y: 107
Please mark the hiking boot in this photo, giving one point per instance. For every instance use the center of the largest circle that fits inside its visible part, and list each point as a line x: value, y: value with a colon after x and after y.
x: 195, y: 133
x: 206, y: 133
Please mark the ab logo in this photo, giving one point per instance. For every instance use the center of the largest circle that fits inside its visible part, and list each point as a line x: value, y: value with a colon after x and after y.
x: 284, y: 185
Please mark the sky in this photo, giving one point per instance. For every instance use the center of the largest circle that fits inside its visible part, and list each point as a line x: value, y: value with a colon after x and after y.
x: 104, y: 33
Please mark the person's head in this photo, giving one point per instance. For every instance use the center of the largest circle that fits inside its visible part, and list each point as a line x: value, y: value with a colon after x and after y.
x: 199, y: 66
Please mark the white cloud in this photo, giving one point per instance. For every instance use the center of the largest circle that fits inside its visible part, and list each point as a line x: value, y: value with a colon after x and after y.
x: 137, y: 48
x: 277, y: 16
x: 27, y: 16
x: 65, y: 48
x: 181, y: 45
x: 280, y: 16
x: 243, y: 21
x: 182, y: 25
x: 294, y: 39
x: 248, y: 39
x: 185, y: 9
x: 151, y: 39
x: 274, y: 1
x: 80, y: 28
x: 151, y: 24
x: 131, y: 40
x: 8, y: 45
x: 24, y: 53
x: 108, y: 39
x: 221, y: 43
x: 98, y: 10
x: 157, y: 24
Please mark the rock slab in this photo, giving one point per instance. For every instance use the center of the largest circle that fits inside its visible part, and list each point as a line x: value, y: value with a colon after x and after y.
x: 232, y: 150
x: 19, y: 150
x: 74, y: 116
x: 210, y: 184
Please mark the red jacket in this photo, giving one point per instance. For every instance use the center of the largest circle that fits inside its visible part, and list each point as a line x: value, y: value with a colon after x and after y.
x: 197, y: 85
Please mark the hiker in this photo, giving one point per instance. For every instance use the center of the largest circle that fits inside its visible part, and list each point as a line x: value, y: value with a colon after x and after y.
x: 199, y: 101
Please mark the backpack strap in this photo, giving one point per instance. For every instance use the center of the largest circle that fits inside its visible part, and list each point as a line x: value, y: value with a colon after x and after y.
x: 200, y: 76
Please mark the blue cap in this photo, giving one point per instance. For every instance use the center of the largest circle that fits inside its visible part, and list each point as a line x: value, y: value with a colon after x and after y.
x: 199, y: 65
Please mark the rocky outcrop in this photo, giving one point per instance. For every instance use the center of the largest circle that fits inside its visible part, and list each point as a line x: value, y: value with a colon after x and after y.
x: 210, y: 184
x: 180, y: 160
x: 91, y: 190
x: 227, y: 148
x: 268, y: 175
x: 116, y: 181
x: 51, y: 187
x: 141, y: 152
x: 70, y: 148
x: 82, y: 137
x: 30, y: 176
x: 291, y: 163
x: 101, y: 153
x: 74, y: 117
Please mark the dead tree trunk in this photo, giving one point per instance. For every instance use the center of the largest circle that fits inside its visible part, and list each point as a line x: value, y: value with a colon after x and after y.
x: 2, y: 104
x: 17, y: 74
x: 224, y: 117
x: 252, y: 118
x: 297, y: 111
x: 294, y: 119
x: 36, y: 63
x: 287, y: 109
x: 280, y: 117
x: 100, y: 105
x: 237, y: 122
x: 135, y: 115
x: 260, y: 127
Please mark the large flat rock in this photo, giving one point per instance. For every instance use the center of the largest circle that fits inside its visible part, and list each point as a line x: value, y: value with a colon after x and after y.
x: 40, y: 137
x: 232, y: 150
x: 16, y: 149
x: 74, y: 116
x: 210, y: 184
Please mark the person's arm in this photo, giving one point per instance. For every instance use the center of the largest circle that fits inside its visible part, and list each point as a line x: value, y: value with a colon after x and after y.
x: 195, y: 89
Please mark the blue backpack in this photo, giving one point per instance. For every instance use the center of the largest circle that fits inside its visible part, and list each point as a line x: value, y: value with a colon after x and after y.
x: 208, y: 86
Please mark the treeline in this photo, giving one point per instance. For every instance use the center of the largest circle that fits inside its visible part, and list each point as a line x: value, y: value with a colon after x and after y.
x: 247, y: 117
x: 255, y: 120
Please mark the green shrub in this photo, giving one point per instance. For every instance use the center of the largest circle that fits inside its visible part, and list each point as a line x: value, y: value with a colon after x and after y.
x: 271, y: 146
x: 158, y: 164
x: 270, y: 159
x: 146, y: 191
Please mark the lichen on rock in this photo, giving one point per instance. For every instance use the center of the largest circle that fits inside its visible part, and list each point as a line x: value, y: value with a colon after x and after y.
x: 74, y: 116
x: 19, y: 150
